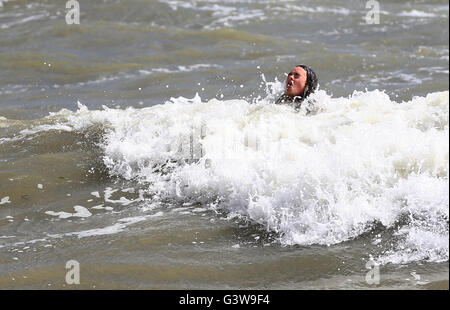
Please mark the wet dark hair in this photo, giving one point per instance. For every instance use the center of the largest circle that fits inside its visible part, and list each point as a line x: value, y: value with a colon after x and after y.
x: 311, y: 81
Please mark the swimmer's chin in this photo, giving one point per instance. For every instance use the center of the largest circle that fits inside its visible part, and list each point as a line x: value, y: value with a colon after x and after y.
x: 289, y: 94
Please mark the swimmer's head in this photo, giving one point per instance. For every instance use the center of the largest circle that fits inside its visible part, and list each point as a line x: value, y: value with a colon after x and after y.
x: 301, y: 82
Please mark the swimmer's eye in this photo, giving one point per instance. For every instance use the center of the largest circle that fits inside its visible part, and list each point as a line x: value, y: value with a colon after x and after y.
x: 296, y: 75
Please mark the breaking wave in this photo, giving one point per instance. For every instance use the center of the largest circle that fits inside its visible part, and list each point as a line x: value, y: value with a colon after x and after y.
x: 323, y: 175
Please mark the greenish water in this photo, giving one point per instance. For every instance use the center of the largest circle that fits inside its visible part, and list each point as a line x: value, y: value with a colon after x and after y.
x: 375, y: 175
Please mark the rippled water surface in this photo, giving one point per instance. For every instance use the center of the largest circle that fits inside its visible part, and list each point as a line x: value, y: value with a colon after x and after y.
x: 144, y: 144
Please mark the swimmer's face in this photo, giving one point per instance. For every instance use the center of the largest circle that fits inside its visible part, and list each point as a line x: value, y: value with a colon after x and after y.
x: 296, y: 82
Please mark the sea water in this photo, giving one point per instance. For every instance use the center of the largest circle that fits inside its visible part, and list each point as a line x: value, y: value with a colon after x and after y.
x: 145, y: 144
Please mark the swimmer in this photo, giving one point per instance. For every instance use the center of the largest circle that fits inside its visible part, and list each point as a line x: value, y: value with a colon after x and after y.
x: 300, y: 83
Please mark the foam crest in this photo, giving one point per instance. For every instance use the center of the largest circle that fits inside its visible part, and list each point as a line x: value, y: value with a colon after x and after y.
x: 320, y: 177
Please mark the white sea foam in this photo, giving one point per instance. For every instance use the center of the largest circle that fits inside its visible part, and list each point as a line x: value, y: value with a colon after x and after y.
x: 224, y: 14
x: 42, y: 128
x: 123, y: 201
x: 96, y: 194
x: 24, y: 20
x: 101, y: 207
x: 109, y: 230
x: 316, y: 9
x: 322, y: 177
x: 5, y: 200
x: 190, y: 68
x: 416, y: 13
x: 79, y: 212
